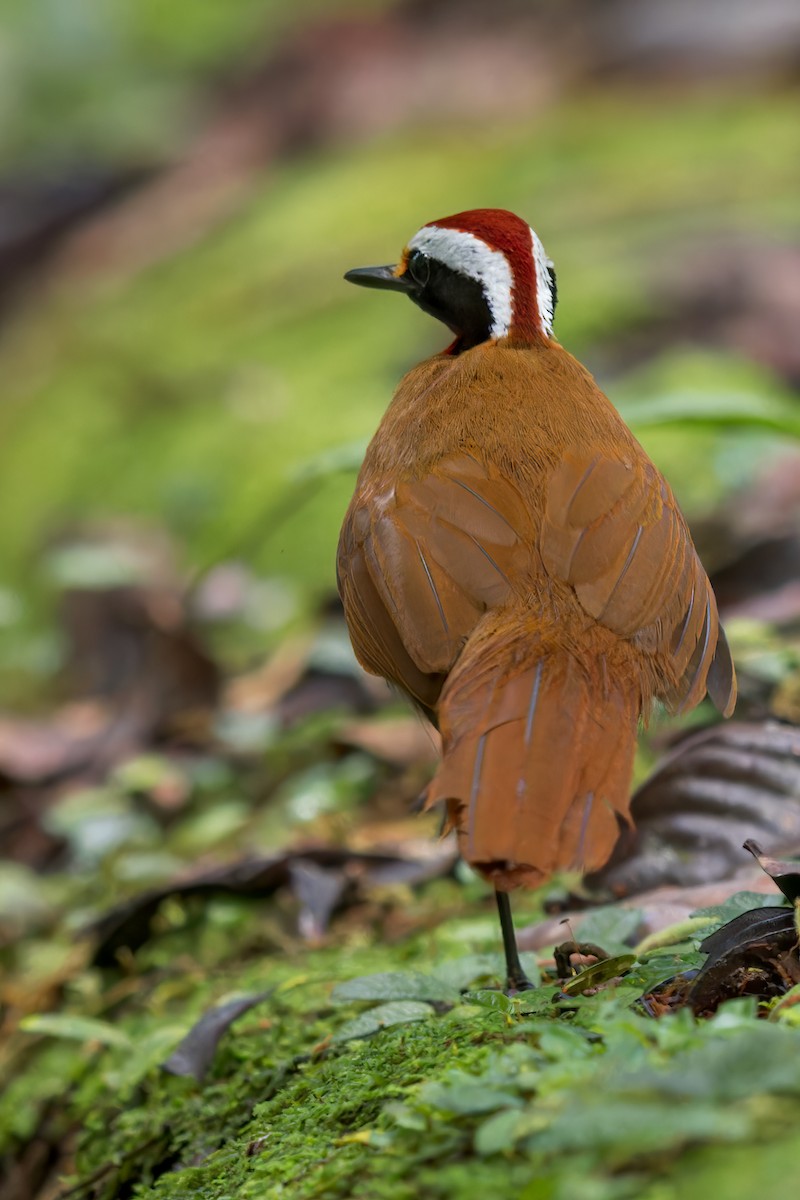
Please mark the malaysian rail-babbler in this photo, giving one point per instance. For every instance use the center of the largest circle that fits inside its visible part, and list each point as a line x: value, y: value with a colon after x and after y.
x: 514, y: 562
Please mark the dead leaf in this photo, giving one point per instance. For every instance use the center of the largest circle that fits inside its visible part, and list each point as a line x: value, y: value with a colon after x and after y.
x: 753, y: 955
x: 400, y: 741
x: 195, y: 1054
x: 756, y: 953
x: 717, y: 787
x: 751, y: 545
x: 738, y: 293
x: 40, y: 751
x: 128, y: 926
x: 133, y: 647
x: 262, y: 689
x: 320, y: 691
x: 785, y: 873
x: 319, y: 891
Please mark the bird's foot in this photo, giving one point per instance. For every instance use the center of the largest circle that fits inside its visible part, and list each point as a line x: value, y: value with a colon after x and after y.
x: 518, y: 983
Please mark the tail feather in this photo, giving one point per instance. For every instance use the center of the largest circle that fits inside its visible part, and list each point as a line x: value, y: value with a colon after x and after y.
x: 536, y: 767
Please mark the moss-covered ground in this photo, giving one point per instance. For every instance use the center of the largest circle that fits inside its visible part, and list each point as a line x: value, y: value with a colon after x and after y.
x: 368, y: 1071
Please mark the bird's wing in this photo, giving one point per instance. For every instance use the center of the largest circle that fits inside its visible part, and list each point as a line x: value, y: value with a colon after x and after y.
x: 614, y: 532
x: 419, y: 565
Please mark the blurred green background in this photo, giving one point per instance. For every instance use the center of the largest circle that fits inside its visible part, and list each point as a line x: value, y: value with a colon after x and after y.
x: 184, y: 185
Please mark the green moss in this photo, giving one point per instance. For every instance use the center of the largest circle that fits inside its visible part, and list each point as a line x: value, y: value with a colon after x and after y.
x: 451, y: 1106
x: 579, y: 1097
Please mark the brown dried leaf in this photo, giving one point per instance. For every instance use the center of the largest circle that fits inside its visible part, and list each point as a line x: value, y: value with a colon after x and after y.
x: 400, y: 741
x: 34, y: 751
x: 753, y: 955
x: 319, y: 891
x: 785, y: 872
x: 195, y: 1054
x: 715, y: 789
x: 260, y: 690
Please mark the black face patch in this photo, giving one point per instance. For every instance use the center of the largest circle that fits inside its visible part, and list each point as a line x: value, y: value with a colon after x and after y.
x: 553, y: 287
x: 454, y: 299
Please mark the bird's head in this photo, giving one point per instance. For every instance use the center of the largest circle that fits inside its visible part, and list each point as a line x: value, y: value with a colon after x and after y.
x: 484, y: 273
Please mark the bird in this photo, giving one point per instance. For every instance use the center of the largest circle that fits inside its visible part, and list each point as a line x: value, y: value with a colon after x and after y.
x: 514, y: 562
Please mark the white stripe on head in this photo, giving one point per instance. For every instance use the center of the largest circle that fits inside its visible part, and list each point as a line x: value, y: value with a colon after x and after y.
x: 544, y: 285
x: 470, y: 256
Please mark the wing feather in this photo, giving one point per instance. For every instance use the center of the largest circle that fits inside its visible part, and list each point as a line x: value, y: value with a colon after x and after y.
x: 613, y: 531
x: 423, y: 562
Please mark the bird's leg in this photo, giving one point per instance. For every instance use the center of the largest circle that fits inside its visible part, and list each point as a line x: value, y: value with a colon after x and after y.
x: 516, y: 979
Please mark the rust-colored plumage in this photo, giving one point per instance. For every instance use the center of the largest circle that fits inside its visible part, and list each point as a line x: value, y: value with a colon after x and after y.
x: 516, y: 564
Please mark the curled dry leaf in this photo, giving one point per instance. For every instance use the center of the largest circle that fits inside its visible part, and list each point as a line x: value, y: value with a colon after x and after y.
x: 718, y: 787
x: 785, y: 872
x: 752, y: 545
x: 755, y: 954
x: 757, y: 957
x: 195, y: 1053
x: 133, y: 646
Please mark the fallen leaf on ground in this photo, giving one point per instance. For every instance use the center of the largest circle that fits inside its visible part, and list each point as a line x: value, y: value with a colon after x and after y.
x: 400, y: 741
x: 660, y: 908
x: 195, y: 1054
x: 128, y: 925
x: 715, y: 789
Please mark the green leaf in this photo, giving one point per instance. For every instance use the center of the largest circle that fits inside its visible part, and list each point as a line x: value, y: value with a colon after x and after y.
x: 488, y: 998
x: 22, y: 904
x: 658, y: 967
x: 395, y: 985
x: 458, y: 973
x: 405, y: 1116
x: 96, y: 821
x: 77, y: 1029
x: 345, y: 457
x: 787, y: 1009
x: 625, y: 1128
x: 398, y: 1012
x: 693, y: 406
x: 601, y: 972
x: 124, y: 1075
x: 700, y: 386
x: 559, y: 1042
x: 540, y: 1000
x: 610, y: 927
x: 739, y: 903
x: 673, y: 935
x: 498, y: 1133
x: 760, y: 1059
x: 467, y: 1096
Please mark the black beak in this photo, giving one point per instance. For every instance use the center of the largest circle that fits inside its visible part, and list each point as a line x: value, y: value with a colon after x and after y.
x: 380, y: 277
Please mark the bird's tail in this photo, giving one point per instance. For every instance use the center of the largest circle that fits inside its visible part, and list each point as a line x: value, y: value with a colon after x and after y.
x: 538, y: 747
